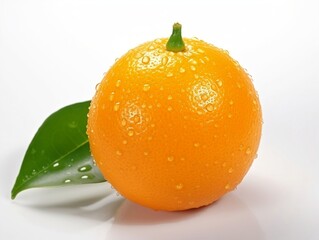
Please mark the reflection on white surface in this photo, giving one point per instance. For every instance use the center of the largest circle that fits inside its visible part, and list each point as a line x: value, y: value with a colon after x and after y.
x: 68, y: 209
x: 226, y: 219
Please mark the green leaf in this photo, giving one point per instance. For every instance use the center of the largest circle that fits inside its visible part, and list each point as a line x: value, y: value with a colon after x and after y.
x: 59, y: 154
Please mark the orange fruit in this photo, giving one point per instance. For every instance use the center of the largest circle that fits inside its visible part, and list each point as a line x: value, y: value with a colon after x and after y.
x: 175, y: 127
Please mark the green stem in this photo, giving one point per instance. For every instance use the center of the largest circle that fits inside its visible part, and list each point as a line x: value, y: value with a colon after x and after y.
x: 175, y: 43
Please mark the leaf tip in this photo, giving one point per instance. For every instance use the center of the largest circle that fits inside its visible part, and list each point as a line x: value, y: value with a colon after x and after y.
x: 15, y: 191
x: 13, y: 195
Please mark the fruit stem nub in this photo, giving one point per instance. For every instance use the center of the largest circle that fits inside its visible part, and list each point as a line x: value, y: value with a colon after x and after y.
x: 175, y: 43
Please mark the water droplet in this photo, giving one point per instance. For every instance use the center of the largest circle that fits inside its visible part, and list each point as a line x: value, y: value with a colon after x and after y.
x: 67, y: 181
x: 85, y: 177
x: 230, y: 170
x: 118, y: 83
x: 130, y: 132
x: 169, y: 74
x: 169, y: 108
x: 210, y: 107
x: 196, y: 144
x: 193, y: 68
x: 248, y: 151
x: 85, y: 168
x: 164, y: 60
x: 229, y: 115
x: 116, y: 107
x: 224, y: 164
x: 170, y: 158
x: 72, y: 124
x: 204, y: 97
x: 56, y: 164
x: 97, y: 86
x: 179, y: 186
x: 241, y: 147
x: 216, y: 125
x: 112, y: 96
x: 219, y: 83
x: 182, y: 70
x: 227, y: 186
x: 118, y: 153
x: 225, y: 51
x: 169, y: 97
x: 145, y: 153
x: 231, y: 102
x: 145, y: 59
x: 146, y: 87
x: 254, y: 102
x: 124, y: 142
x: 200, y: 112
x: 158, y: 105
x: 192, y: 61
x: 150, y: 138
x: 136, y: 119
x: 123, y: 122
x: 138, y: 55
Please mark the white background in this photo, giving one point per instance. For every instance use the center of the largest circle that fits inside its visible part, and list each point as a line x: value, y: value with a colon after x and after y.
x: 53, y: 53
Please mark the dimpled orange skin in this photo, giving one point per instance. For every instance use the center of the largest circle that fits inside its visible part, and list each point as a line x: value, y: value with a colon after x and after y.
x: 175, y: 131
